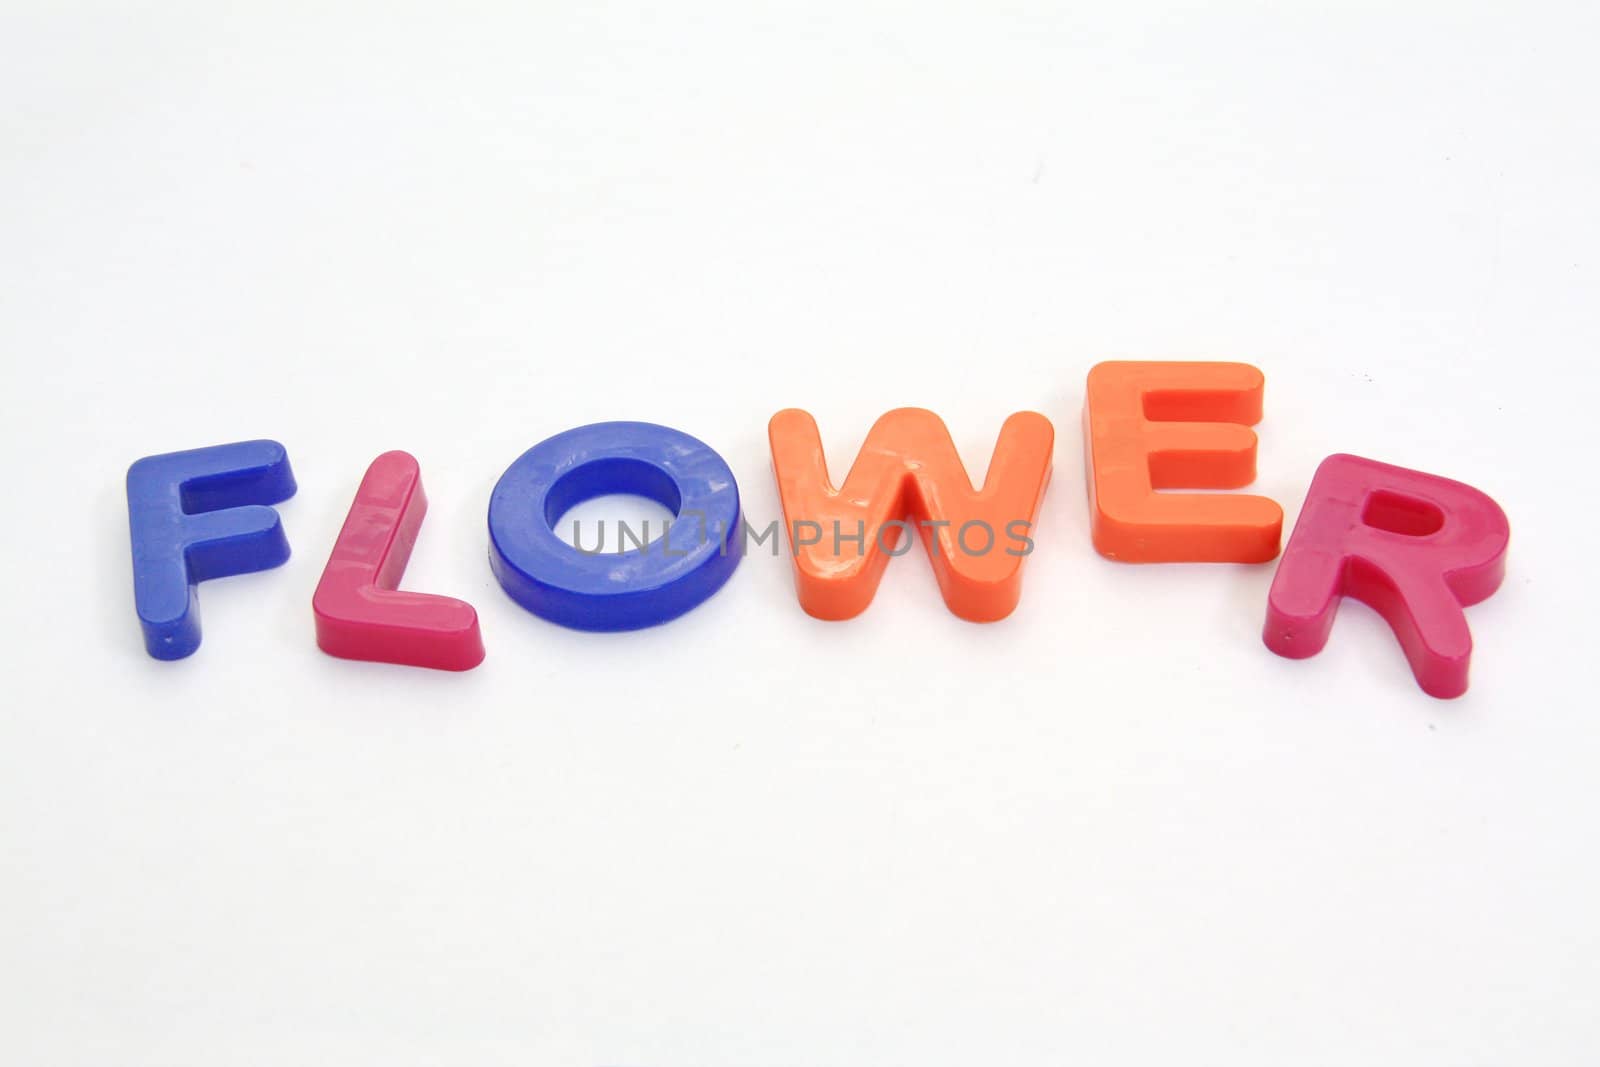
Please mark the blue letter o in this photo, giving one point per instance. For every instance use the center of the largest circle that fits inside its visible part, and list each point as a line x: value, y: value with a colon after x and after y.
x: 623, y: 591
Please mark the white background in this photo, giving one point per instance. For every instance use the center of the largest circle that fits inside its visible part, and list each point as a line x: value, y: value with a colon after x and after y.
x: 1112, y: 829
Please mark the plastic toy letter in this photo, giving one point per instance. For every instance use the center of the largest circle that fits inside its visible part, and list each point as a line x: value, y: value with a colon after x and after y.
x: 1415, y: 547
x: 197, y: 515
x: 360, y: 613
x: 843, y: 538
x: 658, y: 581
x: 1176, y: 426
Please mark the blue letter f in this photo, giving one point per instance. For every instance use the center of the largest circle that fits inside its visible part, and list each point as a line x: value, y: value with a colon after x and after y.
x: 197, y: 515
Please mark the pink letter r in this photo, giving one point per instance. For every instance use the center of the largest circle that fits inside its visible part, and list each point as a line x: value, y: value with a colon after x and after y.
x: 1413, y: 546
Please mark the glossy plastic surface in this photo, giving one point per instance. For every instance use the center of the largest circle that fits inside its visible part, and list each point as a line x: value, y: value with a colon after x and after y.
x: 197, y: 515
x: 1413, y: 546
x: 360, y: 614
x: 1163, y: 425
x: 615, y: 591
x: 909, y: 469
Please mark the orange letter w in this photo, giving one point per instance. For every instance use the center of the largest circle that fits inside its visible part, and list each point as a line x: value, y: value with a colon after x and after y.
x: 909, y: 470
